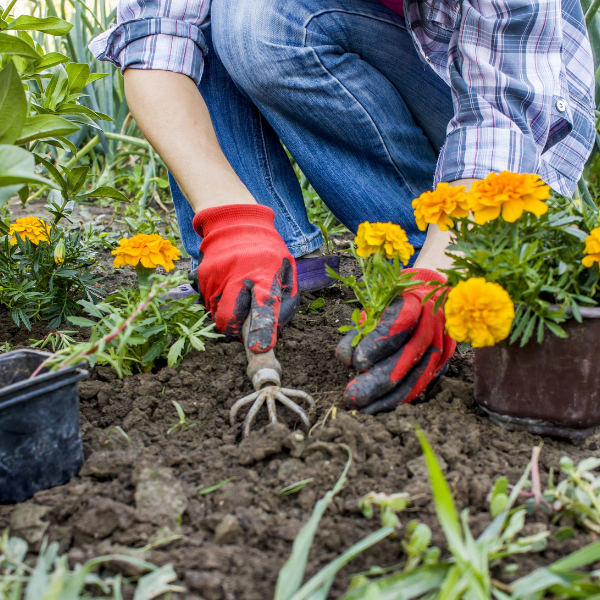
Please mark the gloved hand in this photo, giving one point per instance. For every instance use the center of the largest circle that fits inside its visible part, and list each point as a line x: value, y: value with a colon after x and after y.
x: 402, y: 355
x: 246, y: 268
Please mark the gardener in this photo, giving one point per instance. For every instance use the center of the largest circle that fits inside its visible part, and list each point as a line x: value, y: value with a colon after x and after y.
x: 374, y: 100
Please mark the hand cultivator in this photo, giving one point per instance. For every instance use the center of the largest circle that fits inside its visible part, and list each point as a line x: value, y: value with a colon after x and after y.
x: 264, y: 371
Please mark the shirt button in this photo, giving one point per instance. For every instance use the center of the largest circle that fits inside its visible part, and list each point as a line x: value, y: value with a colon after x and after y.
x: 561, y: 105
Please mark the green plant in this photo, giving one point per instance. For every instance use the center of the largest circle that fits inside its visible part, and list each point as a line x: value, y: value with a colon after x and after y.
x: 136, y: 327
x: 6, y: 347
x: 183, y: 421
x: 313, y: 307
x: 52, y: 579
x: 578, y: 495
x: 42, y: 278
x: 214, y: 488
x: 388, y: 504
x: 382, y: 277
x: 294, y: 488
x: 57, y: 340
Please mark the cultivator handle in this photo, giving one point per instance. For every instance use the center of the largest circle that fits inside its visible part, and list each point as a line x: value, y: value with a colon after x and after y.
x: 263, y: 369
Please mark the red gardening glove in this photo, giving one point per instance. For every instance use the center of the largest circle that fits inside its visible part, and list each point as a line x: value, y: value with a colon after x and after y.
x: 402, y: 355
x: 246, y: 269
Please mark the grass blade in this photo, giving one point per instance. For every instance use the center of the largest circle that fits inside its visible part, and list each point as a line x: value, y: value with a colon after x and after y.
x: 292, y: 573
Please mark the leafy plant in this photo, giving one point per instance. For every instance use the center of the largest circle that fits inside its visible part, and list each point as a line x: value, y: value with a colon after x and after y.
x: 183, y: 421
x: 578, y: 495
x: 52, y: 579
x: 44, y: 279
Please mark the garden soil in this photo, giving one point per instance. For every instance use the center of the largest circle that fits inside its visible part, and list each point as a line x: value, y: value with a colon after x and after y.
x: 143, y: 492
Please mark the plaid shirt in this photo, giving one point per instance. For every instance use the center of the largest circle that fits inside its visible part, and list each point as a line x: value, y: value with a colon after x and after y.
x: 521, y: 74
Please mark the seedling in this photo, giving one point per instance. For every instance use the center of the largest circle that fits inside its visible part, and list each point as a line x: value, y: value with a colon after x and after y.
x: 183, y: 422
x: 294, y: 488
x: 120, y: 430
x: 58, y: 340
x: 389, y: 505
x: 214, y: 488
x: 5, y: 347
x: 315, y: 306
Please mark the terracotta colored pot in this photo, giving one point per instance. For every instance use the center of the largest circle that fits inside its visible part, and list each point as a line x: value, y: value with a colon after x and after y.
x: 552, y: 388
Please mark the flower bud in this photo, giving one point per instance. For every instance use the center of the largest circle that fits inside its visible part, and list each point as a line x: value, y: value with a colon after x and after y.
x: 59, y: 253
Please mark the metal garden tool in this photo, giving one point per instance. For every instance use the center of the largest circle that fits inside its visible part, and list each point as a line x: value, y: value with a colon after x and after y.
x: 264, y: 371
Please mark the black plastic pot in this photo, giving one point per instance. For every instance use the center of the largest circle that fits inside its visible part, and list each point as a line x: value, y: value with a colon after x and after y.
x: 40, y: 439
x: 552, y: 388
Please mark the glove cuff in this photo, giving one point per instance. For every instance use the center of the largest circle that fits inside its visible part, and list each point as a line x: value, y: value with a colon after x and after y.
x: 211, y: 219
x: 426, y: 275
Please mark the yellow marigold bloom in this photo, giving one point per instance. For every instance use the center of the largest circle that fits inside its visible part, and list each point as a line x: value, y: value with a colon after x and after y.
x: 592, y: 248
x: 511, y: 193
x: 149, y: 250
x: 31, y: 228
x: 479, y: 312
x: 438, y: 206
x: 372, y: 236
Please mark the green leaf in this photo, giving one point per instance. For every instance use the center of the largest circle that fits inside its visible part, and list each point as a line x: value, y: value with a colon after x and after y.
x: 442, y: 497
x: 291, y: 574
x: 49, y: 25
x: 104, y: 191
x: 11, y: 45
x: 39, y: 127
x: 214, y: 488
x: 16, y: 168
x: 79, y: 74
x: 294, y: 488
x: 51, y: 59
x: 175, y: 352
x: 157, y: 583
x: 13, y: 104
x: 81, y: 321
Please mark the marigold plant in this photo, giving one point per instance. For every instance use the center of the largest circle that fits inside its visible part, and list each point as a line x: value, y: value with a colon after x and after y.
x: 479, y: 312
x: 380, y: 249
x: 541, y: 249
x: 438, y: 207
x: 29, y: 228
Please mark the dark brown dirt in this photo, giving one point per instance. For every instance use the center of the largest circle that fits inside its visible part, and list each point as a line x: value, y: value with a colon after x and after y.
x: 233, y: 542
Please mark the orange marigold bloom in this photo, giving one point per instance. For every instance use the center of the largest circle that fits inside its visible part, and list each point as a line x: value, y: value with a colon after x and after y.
x: 31, y: 228
x: 438, y: 206
x: 149, y: 250
x: 511, y: 193
x: 479, y: 312
x: 592, y: 248
x: 392, y: 238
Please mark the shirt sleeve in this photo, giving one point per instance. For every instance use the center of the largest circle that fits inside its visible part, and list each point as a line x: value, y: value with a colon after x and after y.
x: 509, y: 88
x: 156, y: 34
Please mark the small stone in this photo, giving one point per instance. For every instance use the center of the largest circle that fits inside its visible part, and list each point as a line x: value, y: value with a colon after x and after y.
x: 228, y: 531
x: 101, y: 520
x: 159, y: 497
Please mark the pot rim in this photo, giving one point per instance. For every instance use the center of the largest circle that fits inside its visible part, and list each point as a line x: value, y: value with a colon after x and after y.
x: 587, y: 312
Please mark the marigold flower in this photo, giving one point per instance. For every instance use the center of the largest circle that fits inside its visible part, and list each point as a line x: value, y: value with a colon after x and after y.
x: 511, y: 193
x: 592, y: 248
x: 372, y: 236
x: 479, y: 312
x: 31, y: 228
x: 149, y: 250
x: 438, y: 206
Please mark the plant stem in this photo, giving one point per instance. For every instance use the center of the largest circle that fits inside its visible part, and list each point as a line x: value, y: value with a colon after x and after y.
x: 9, y: 8
x: 85, y: 150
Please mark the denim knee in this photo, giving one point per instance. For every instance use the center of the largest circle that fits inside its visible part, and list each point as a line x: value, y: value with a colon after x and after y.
x: 245, y: 36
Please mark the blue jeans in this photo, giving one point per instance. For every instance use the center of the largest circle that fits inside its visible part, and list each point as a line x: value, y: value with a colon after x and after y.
x: 340, y: 83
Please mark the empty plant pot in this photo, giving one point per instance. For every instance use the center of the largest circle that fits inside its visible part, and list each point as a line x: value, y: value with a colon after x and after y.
x: 552, y: 388
x: 40, y: 439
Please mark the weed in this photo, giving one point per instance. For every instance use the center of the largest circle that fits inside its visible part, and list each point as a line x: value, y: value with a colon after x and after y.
x: 120, y: 430
x: 183, y: 422
x: 58, y: 340
x: 214, y: 488
x: 294, y: 488
x: 6, y: 347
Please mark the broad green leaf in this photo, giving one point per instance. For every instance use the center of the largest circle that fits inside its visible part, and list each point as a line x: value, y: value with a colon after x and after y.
x: 78, y: 76
x: 38, y: 127
x: 175, y: 352
x: 11, y: 45
x: 50, y: 60
x: 49, y: 25
x: 96, y: 76
x: 81, y: 321
x: 105, y: 191
x: 75, y: 179
x: 13, y: 104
